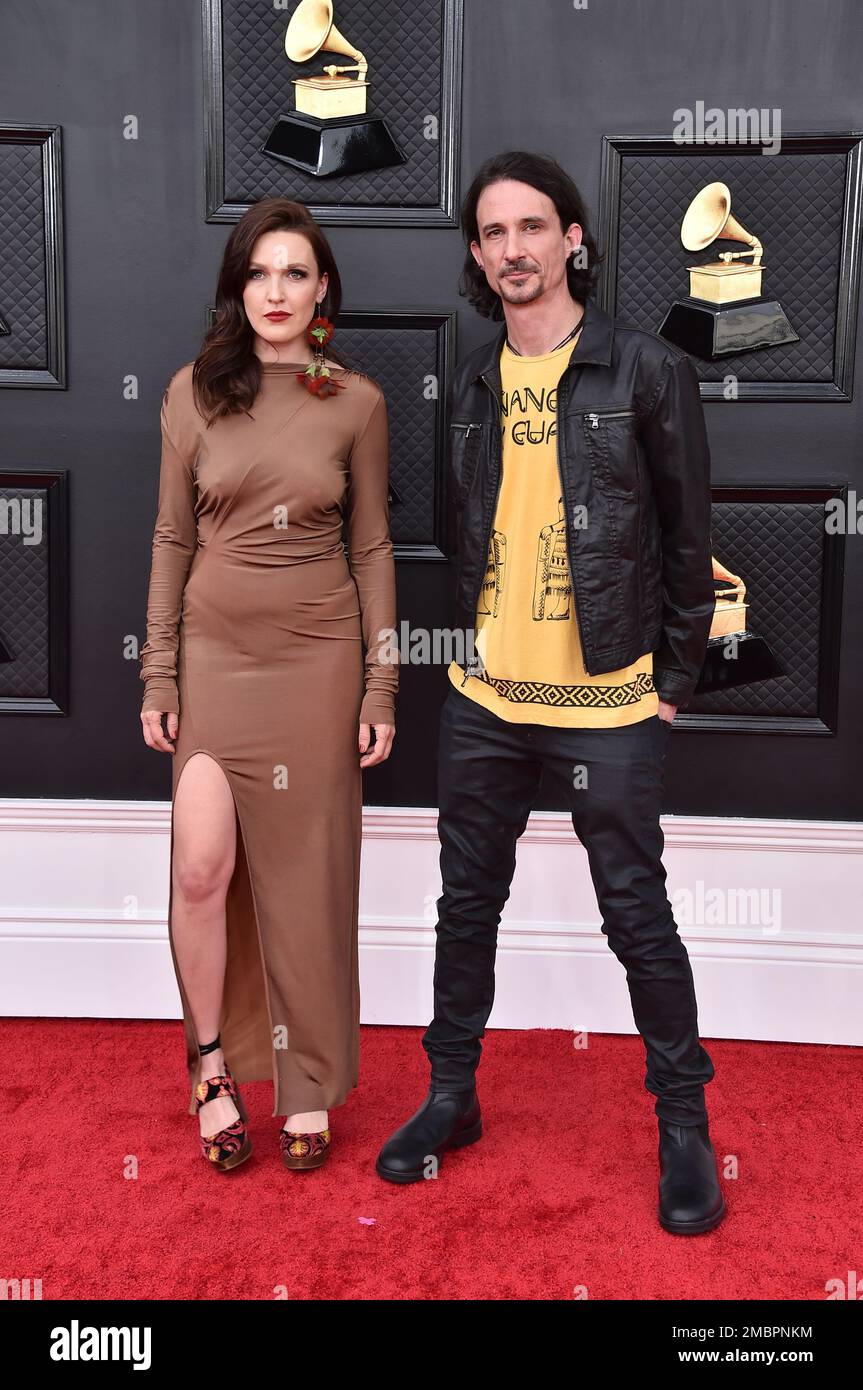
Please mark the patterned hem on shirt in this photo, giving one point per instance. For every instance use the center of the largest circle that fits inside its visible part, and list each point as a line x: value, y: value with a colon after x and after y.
x: 584, y: 696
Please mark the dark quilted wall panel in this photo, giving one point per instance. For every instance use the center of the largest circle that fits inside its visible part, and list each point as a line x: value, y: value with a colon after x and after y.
x: 24, y: 609
x: 399, y: 359
x: 404, y: 79
x: 792, y: 202
x: 777, y: 548
x: 22, y: 257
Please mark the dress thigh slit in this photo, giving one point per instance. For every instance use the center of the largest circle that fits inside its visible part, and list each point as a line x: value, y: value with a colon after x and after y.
x: 241, y: 1044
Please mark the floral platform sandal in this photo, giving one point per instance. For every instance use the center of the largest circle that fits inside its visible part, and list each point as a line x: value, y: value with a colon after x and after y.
x: 231, y: 1146
x: 304, y: 1150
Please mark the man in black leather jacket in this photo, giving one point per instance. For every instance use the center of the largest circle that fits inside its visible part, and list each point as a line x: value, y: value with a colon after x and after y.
x: 579, y: 519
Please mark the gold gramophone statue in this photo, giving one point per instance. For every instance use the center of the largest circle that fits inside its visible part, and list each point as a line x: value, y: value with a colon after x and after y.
x: 734, y: 656
x: 330, y: 132
x: 725, y: 312
x: 729, y: 615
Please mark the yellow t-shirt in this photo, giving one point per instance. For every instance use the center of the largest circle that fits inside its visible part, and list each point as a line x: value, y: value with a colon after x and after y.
x: 526, y: 623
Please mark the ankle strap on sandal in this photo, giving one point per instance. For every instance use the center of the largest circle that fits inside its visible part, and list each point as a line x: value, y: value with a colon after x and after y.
x: 214, y: 1087
x: 211, y: 1046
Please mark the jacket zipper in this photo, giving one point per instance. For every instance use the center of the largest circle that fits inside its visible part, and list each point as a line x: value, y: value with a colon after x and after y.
x: 469, y: 662
x: 593, y: 417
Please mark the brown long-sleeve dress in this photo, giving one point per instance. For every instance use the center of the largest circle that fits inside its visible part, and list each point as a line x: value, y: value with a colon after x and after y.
x: 273, y: 645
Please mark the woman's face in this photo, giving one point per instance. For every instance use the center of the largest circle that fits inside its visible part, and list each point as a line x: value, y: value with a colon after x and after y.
x: 281, y: 291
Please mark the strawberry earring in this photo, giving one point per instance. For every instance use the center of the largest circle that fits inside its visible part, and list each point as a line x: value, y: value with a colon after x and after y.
x: 317, y: 377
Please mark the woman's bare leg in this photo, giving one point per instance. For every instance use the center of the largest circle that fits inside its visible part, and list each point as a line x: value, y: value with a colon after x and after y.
x: 205, y: 844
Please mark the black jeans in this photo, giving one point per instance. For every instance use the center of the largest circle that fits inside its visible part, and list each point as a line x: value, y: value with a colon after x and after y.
x: 489, y: 771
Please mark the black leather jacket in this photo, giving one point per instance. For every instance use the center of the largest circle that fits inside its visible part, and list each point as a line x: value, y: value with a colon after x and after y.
x: 635, y: 472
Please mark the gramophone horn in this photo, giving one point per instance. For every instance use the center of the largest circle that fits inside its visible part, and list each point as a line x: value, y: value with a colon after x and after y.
x: 311, y: 28
x: 708, y: 218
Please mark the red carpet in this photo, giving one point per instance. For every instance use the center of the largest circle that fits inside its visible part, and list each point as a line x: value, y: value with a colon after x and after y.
x: 559, y: 1194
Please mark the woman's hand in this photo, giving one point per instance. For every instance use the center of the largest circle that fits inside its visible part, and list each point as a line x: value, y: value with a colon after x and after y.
x: 151, y: 720
x: 384, y: 735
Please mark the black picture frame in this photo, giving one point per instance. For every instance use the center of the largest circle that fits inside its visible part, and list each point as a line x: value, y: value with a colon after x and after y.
x: 44, y: 265
x: 50, y: 585
x: 221, y: 207
x: 824, y: 722
x: 414, y: 453
x: 617, y: 148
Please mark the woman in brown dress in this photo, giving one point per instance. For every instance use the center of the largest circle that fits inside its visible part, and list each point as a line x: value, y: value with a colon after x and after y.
x: 271, y: 652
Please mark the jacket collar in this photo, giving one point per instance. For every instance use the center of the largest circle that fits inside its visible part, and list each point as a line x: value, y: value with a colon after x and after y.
x: 594, y: 345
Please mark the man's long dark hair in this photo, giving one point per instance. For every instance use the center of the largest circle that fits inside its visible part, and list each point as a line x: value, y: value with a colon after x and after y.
x: 544, y: 173
x: 227, y: 372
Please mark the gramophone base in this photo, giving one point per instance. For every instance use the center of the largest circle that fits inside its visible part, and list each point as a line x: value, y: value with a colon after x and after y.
x: 754, y: 661
x: 710, y: 331
x: 343, y: 145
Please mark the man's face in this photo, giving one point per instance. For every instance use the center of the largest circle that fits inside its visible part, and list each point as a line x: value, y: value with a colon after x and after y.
x: 521, y: 247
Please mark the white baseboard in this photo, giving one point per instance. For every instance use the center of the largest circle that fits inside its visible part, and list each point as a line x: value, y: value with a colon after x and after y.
x: 83, y: 929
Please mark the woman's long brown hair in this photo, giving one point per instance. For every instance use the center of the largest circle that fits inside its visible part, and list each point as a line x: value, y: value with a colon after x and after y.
x: 227, y: 372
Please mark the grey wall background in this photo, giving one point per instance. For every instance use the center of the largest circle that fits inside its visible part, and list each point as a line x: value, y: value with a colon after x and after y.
x: 141, y: 264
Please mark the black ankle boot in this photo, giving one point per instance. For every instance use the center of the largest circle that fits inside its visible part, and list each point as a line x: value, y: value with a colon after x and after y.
x: 690, y: 1197
x: 445, y: 1120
